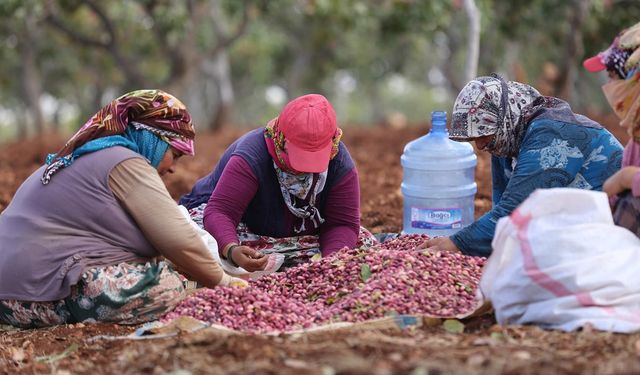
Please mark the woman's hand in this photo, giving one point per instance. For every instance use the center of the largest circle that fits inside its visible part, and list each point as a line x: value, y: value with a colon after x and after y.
x: 440, y: 244
x: 249, y: 259
x: 612, y: 186
x: 620, y: 181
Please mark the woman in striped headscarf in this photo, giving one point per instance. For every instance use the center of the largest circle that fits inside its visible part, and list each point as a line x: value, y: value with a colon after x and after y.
x: 535, y: 142
x: 83, y: 237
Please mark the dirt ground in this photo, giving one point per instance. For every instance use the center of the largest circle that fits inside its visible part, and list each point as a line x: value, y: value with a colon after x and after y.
x: 484, y: 347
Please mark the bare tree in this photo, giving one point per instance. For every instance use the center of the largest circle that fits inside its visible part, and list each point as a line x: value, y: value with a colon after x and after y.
x: 302, y: 56
x: 473, y: 39
x: 31, y: 81
x: 450, y: 49
x: 573, y: 49
x: 455, y: 43
x: 217, y: 64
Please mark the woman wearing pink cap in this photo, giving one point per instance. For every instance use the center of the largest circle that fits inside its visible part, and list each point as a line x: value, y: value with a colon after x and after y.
x: 82, y: 238
x: 622, y: 63
x: 290, y: 187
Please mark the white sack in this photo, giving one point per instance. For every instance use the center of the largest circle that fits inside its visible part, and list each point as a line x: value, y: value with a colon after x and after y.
x: 559, y: 261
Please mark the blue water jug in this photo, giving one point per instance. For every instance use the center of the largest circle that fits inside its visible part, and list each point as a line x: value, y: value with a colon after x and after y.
x: 438, y: 185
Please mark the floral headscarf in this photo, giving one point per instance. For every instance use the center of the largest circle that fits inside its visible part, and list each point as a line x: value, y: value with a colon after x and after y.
x: 147, y: 111
x: 299, y: 190
x: 492, y: 106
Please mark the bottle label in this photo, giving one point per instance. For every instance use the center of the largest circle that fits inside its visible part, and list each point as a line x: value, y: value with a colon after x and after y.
x: 436, y: 218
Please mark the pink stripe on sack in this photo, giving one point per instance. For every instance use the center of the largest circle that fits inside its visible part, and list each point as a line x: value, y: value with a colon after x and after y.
x: 530, y: 265
x: 532, y: 269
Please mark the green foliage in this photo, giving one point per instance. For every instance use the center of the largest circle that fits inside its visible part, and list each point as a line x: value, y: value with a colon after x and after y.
x: 608, y: 19
x: 365, y: 272
x: 357, y: 52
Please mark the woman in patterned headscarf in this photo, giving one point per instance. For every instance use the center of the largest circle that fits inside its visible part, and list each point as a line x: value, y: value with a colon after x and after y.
x: 289, y: 188
x: 82, y: 238
x: 622, y: 63
x: 536, y: 142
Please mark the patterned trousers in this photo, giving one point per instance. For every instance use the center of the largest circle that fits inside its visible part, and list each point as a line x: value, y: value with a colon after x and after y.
x: 124, y: 293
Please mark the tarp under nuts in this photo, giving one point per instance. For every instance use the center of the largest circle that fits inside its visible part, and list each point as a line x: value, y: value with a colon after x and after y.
x: 185, y: 324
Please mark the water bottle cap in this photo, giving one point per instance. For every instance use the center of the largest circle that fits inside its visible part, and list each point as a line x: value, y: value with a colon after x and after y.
x: 439, y: 122
x: 435, y: 151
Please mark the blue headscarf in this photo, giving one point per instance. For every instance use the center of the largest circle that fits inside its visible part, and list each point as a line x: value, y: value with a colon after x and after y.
x: 135, y: 138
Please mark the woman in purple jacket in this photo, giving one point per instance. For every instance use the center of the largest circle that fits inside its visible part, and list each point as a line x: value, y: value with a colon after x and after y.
x: 290, y: 187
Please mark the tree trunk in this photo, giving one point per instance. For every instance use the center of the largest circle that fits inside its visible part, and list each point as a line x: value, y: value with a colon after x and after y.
x: 447, y: 67
x: 572, y: 51
x: 377, y: 113
x: 301, y: 62
x: 222, y: 74
x: 217, y: 65
x: 31, y: 82
x: 21, y: 122
x: 55, y: 119
x: 473, y: 40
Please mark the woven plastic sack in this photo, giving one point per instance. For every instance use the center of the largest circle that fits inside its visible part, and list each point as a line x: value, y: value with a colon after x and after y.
x: 559, y: 261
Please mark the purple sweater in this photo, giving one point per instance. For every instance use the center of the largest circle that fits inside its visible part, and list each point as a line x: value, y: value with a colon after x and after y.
x: 244, y: 187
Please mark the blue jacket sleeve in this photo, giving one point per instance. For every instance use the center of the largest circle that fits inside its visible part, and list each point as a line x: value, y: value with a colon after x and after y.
x: 500, y: 170
x: 544, y: 162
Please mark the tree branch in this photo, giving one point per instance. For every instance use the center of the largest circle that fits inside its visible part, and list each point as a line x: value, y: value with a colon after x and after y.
x: 106, y: 22
x: 226, y: 39
x: 185, y: 55
x: 133, y: 76
x: 177, y: 62
x: 52, y: 18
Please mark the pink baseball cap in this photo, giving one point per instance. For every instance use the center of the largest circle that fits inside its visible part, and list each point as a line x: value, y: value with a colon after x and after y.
x: 615, y: 57
x: 308, y: 124
x: 595, y: 63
